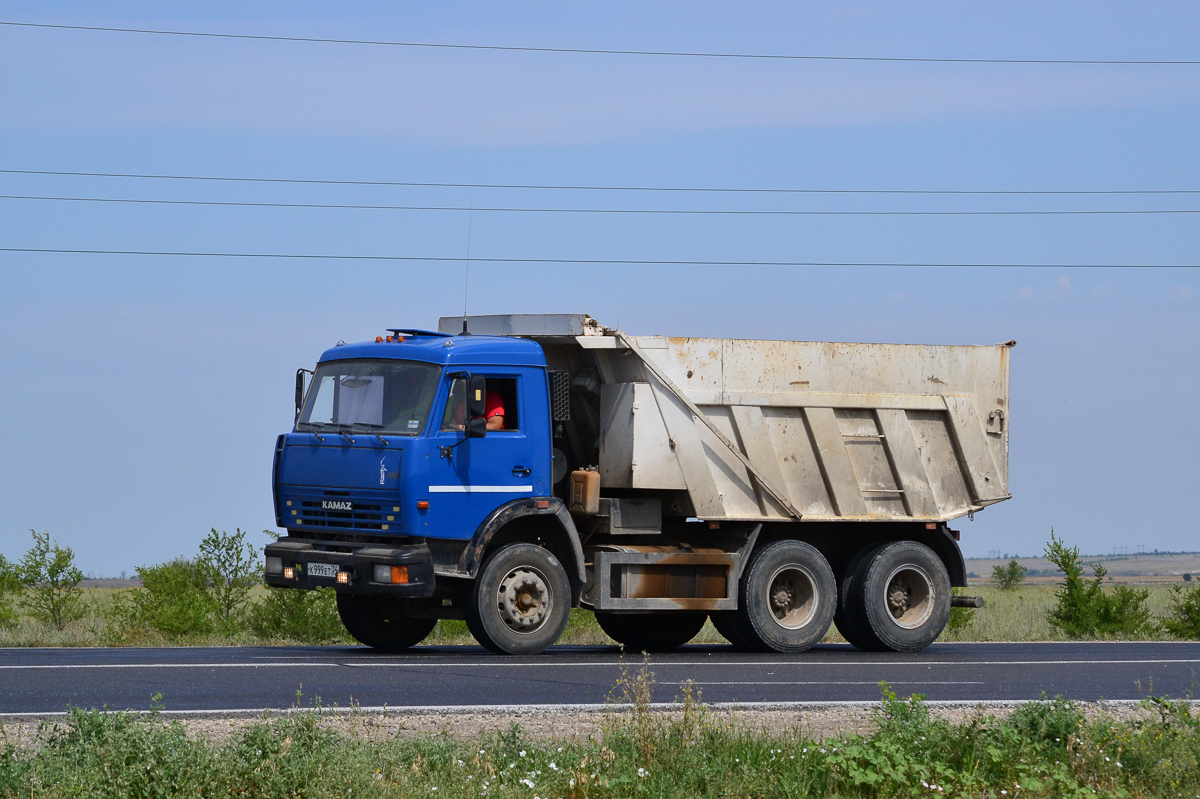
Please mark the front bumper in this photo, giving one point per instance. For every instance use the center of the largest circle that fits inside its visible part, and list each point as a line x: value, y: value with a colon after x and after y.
x: 300, y: 556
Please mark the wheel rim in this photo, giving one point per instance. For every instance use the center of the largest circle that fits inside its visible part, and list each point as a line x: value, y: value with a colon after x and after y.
x: 524, y: 600
x: 792, y: 596
x: 909, y: 596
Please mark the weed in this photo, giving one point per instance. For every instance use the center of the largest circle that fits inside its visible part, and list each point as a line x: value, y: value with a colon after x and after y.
x: 10, y: 584
x: 308, y: 616
x: 232, y: 568
x: 173, y: 600
x: 1008, y: 576
x: 1184, y: 618
x: 1083, y: 608
x: 51, y: 580
x: 960, y: 619
x: 1045, y: 749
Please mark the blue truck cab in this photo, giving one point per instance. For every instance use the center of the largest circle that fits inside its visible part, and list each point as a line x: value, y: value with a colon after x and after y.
x: 393, y: 489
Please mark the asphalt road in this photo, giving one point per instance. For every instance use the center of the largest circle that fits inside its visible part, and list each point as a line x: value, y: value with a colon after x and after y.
x: 252, y: 678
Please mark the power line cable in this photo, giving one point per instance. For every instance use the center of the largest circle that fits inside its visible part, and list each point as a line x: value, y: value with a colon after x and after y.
x: 620, y: 211
x: 568, y: 187
x: 590, y: 261
x: 605, y: 51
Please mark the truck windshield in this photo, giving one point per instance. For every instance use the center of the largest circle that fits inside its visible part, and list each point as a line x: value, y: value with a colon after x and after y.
x: 378, y: 396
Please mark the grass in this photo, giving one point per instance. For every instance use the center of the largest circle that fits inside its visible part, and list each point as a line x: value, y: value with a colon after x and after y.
x: 1014, y: 615
x: 1045, y: 749
x: 1020, y: 614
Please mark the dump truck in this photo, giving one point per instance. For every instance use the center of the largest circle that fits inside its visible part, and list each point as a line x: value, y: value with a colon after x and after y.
x: 506, y: 469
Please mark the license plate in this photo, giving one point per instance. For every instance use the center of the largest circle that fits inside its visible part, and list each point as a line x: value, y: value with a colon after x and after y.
x: 322, y: 570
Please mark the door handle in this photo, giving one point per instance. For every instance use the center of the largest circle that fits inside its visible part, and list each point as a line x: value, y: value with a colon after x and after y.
x: 521, y: 471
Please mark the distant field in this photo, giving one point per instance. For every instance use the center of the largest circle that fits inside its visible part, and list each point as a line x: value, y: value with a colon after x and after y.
x: 1133, y: 569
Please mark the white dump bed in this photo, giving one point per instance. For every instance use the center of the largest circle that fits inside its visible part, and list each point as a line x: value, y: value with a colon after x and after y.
x: 786, y: 429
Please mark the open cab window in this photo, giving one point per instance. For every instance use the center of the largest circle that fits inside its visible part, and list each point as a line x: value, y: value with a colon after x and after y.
x: 501, y: 405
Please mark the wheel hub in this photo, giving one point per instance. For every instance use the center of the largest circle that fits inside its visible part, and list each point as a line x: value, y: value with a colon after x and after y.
x: 523, y: 599
x: 909, y: 596
x: 792, y: 597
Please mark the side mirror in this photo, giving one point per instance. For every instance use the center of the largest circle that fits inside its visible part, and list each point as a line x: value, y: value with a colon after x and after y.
x: 476, y: 427
x: 476, y: 397
x: 299, y: 390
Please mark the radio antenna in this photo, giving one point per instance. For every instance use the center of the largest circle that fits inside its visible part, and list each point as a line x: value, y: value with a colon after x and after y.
x: 467, y: 271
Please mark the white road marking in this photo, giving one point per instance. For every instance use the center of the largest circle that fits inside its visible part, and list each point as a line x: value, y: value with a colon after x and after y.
x: 841, y: 682
x: 546, y: 663
x: 287, y: 664
x: 799, y: 662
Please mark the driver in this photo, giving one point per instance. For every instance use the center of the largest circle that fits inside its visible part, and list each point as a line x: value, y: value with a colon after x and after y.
x: 493, y: 411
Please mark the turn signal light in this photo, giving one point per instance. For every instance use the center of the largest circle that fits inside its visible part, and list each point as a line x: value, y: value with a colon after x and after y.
x: 390, y: 574
x: 422, y: 504
x: 343, y: 578
x: 289, y: 573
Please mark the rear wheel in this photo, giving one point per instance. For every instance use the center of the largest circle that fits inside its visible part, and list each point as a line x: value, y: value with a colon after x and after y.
x: 381, y: 622
x: 851, y: 625
x: 900, y: 599
x: 787, y: 598
x: 725, y: 623
x: 520, y: 601
x: 651, y: 632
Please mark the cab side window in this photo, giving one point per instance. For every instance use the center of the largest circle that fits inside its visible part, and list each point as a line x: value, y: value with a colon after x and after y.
x: 501, y: 406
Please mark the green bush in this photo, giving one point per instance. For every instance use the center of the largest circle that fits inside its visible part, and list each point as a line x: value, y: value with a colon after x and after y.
x: 1008, y: 576
x: 1083, y: 609
x: 174, y: 600
x: 960, y: 619
x: 308, y: 616
x: 1184, y: 618
x: 232, y: 568
x: 51, y: 580
x: 9, y: 584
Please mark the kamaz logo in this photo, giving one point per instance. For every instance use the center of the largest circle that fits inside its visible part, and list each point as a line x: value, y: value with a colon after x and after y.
x: 329, y: 504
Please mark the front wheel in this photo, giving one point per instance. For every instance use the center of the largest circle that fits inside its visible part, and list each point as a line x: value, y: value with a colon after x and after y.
x: 520, y: 601
x: 787, y: 598
x: 381, y: 622
x: 651, y: 632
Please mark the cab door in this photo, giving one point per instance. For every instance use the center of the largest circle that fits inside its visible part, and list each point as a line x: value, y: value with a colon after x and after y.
x: 469, y: 478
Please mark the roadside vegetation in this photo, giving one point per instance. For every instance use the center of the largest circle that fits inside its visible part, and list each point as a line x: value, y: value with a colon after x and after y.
x: 215, y: 597
x: 1043, y: 749
x: 1010, y: 575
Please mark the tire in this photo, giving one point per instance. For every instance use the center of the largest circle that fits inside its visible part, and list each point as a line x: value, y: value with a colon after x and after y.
x: 380, y: 622
x: 725, y: 623
x: 520, y: 600
x: 900, y: 597
x: 651, y: 632
x: 787, y: 598
x: 852, y: 625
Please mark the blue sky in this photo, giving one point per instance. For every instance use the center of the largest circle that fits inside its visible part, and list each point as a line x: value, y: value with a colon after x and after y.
x: 144, y: 393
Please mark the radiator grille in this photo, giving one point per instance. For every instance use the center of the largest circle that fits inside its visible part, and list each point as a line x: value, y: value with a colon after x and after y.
x: 311, y: 510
